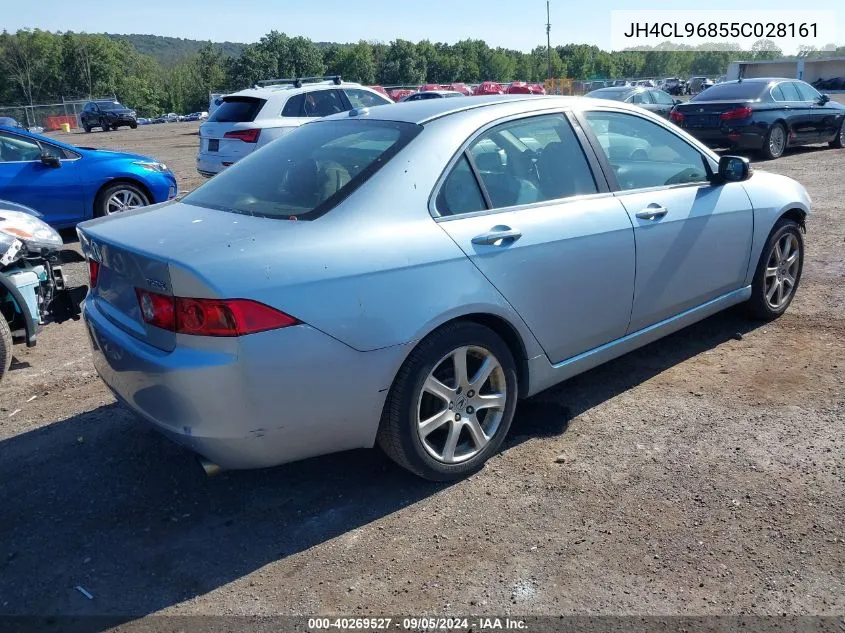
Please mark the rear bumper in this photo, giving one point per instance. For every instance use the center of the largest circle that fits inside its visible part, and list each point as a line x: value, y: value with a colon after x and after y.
x: 256, y: 401
x: 211, y: 163
x: 738, y: 138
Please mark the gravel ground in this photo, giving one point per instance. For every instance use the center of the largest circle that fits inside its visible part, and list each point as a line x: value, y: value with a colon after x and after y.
x: 700, y: 475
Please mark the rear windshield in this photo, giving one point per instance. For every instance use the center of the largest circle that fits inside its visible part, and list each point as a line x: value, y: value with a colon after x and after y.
x: 723, y: 92
x: 307, y: 172
x: 237, y: 110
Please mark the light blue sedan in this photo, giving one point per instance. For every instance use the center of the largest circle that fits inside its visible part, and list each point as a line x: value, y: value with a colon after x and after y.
x: 403, y: 275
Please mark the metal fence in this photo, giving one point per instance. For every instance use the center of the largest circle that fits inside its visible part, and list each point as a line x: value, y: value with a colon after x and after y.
x: 50, y: 116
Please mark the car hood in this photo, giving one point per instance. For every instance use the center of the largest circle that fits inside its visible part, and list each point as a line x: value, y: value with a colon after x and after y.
x: 105, y: 154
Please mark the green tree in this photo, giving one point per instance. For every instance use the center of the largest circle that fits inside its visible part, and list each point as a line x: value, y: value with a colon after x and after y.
x: 765, y: 49
x: 401, y: 65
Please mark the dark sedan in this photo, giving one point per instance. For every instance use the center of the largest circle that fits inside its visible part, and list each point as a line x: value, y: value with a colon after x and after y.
x: 651, y: 99
x: 766, y: 115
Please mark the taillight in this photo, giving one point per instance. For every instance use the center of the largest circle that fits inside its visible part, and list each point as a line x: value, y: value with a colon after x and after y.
x: 677, y: 117
x: 210, y: 317
x: 247, y: 136
x: 93, y: 272
x: 737, y: 113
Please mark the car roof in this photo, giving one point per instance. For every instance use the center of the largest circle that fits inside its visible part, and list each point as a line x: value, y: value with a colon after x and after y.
x: 426, y: 110
x: 286, y: 90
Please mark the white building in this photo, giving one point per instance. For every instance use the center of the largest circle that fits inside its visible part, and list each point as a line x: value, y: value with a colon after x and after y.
x: 808, y: 69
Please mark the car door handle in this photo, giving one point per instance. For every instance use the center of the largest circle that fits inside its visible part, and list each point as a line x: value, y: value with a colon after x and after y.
x: 497, y: 236
x: 652, y: 212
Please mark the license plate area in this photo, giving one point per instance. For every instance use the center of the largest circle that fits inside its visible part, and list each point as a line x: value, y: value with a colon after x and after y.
x: 213, y: 144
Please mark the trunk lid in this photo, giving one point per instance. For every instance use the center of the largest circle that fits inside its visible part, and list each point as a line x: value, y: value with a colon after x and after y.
x: 170, y: 248
x: 705, y: 114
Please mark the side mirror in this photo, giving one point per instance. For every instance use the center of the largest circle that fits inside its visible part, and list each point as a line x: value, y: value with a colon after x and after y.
x: 824, y: 99
x: 733, y: 169
x: 50, y: 160
x: 676, y: 102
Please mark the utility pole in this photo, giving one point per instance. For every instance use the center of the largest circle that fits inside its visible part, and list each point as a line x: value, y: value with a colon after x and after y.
x: 549, y: 37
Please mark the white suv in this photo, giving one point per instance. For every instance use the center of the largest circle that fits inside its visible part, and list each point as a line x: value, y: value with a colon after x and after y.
x: 249, y: 119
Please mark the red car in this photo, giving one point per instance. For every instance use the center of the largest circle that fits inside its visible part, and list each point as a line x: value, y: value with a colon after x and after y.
x: 488, y: 88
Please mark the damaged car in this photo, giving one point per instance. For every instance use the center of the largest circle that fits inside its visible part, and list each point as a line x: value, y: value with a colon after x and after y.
x: 33, y: 288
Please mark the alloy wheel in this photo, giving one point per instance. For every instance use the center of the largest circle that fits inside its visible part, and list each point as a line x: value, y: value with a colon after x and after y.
x: 461, y: 404
x: 781, y: 270
x: 777, y: 141
x: 123, y: 200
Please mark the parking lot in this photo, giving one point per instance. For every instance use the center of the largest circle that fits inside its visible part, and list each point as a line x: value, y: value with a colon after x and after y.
x: 702, y: 474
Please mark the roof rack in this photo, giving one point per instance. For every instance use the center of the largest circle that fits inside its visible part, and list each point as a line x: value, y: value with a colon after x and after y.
x: 296, y: 82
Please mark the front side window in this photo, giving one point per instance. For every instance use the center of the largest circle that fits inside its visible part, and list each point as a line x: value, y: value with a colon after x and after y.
x: 315, y: 169
x: 644, y: 154
x: 807, y: 92
x: 16, y: 149
x: 661, y: 97
x: 364, y: 98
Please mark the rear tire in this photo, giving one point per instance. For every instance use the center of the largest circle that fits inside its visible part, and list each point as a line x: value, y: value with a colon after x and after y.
x: 774, y: 143
x: 5, y: 347
x: 464, y: 426
x: 839, y: 141
x: 774, y: 272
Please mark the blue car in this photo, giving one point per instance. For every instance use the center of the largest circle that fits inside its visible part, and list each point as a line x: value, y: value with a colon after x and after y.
x: 68, y: 184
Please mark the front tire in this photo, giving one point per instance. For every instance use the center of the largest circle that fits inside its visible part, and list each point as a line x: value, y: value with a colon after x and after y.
x: 5, y: 346
x: 839, y: 141
x: 451, y: 404
x: 87, y: 128
x: 774, y: 143
x: 778, y: 271
x: 121, y: 196
x: 133, y: 125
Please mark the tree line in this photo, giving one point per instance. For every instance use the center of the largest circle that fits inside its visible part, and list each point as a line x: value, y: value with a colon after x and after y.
x: 42, y: 67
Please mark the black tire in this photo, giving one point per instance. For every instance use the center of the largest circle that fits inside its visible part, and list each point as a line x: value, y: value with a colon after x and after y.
x: 101, y: 201
x: 87, y: 128
x: 757, y: 306
x: 133, y: 125
x: 397, y: 434
x: 5, y: 346
x: 766, y: 151
x: 839, y: 141
x: 105, y: 125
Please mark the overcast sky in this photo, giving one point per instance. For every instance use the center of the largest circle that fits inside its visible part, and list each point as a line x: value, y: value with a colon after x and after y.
x: 518, y: 24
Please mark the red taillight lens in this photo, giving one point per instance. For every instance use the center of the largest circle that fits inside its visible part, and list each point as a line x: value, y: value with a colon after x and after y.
x: 93, y: 272
x: 677, y: 117
x: 210, y: 317
x: 157, y: 309
x: 736, y: 113
x: 247, y: 136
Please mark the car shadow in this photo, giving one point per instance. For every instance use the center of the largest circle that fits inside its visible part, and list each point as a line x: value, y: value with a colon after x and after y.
x: 98, y: 502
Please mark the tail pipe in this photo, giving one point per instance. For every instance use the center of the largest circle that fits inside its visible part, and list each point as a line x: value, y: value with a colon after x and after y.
x: 210, y: 468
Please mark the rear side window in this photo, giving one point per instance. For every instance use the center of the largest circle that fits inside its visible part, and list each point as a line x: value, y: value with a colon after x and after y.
x: 237, y: 110
x: 322, y: 103
x: 789, y: 92
x: 295, y: 106
x: 316, y: 167
x: 460, y: 192
x: 640, y: 98
x: 744, y: 90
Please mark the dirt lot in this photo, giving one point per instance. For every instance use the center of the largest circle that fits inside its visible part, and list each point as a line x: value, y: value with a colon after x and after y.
x: 700, y: 475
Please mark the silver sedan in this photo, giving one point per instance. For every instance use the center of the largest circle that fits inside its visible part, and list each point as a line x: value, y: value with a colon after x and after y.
x: 401, y: 276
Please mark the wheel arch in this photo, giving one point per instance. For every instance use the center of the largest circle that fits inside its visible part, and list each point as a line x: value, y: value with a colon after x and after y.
x: 120, y: 179
x: 799, y: 216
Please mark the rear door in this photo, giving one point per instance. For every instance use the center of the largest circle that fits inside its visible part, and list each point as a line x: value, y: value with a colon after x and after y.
x: 55, y: 192
x: 522, y: 201
x: 693, y: 239
x: 796, y: 112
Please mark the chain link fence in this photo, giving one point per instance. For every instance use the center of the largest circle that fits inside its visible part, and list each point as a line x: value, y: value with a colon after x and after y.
x: 50, y: 116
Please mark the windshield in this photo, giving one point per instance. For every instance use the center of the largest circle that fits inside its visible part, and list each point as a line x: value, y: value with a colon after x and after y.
x: 112, y: 105
x: 738, y: 90
x: 308, y: 172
